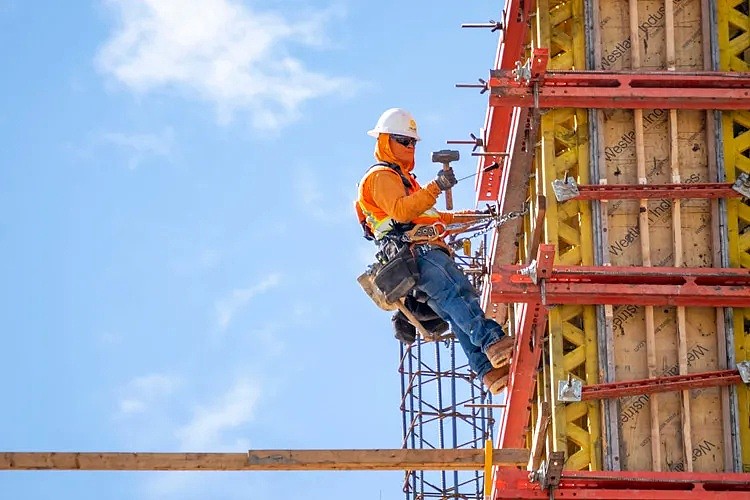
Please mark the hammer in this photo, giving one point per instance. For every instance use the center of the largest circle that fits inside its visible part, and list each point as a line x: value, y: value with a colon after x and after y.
x: 446, y: 156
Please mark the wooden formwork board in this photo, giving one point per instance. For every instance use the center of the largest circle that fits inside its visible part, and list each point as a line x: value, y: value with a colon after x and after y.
x: 624, y: 225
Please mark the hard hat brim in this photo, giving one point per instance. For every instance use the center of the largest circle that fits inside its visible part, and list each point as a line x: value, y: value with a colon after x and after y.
x: 375, y: 133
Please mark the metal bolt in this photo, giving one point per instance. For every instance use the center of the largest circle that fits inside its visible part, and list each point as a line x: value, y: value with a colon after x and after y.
x: 495, y: 25
x: 481, y: 85
x: 478, y: 142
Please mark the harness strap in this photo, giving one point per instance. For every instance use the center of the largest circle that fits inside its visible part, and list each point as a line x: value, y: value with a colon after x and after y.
x: 398, y: 227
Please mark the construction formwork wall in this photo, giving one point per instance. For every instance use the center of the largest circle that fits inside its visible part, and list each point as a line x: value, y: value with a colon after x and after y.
x: 733, y: 40
x: 668, y: 431
x: 692, y: 430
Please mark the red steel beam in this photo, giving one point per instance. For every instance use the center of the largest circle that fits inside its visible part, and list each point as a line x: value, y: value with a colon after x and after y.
x: 709, y: 287
x: 530, y: 329
x: 514, y: 186
x: 626, y: 485
x: 661, y: 384
x: 503, y: 247
x: 497, y: 125
x: 628, y: 90
x: 661, y: 191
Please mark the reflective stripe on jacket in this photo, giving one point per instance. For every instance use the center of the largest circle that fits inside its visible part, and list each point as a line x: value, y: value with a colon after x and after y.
x: 384, y: 198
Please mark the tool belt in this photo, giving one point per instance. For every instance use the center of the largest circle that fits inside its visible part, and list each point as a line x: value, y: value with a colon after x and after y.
x: 398, y: 272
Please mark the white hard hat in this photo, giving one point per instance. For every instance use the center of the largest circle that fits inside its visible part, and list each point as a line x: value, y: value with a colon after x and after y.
x: 395, y: 121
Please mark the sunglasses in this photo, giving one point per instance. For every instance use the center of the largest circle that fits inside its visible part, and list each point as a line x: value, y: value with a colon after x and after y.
x: 404, y: 140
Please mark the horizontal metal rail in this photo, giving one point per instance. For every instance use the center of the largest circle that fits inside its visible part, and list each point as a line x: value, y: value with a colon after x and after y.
x: 531, y: 86
x: 662, y: 191
x: 626, y: 485
x: 660, y: 384
x: 675, y: 286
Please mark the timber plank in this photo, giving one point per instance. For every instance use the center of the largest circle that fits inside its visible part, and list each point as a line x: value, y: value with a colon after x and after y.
x: 264, y: 460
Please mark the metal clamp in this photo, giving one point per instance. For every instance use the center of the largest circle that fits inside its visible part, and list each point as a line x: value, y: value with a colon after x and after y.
x: 550, y: 472
x: 569, y: 391
x: 565, y: 189
x: 744, y: 368
x: 522, y: 73
x: 530, y: 271
x: 742, y: 184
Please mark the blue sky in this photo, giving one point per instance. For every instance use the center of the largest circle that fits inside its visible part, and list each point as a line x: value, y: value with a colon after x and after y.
x: 179, y: 251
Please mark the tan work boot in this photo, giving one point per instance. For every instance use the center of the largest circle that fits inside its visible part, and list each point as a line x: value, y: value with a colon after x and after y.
x: 500, y: 352
x: 496, y: 379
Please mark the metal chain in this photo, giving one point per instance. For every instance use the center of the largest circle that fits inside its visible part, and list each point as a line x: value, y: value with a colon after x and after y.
x: 494, y: 222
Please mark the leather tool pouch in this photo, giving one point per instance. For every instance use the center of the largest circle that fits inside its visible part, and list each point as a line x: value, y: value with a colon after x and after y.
x: 399, y: 275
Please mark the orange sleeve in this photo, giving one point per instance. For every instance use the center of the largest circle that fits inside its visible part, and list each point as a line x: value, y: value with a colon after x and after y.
x: 388, y: 193
x: 446, y: 217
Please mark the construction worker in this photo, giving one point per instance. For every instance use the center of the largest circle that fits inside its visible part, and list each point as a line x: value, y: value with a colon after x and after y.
x: 391, y: 203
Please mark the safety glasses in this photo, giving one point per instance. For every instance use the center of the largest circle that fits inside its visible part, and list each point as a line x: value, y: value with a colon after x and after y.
x: 404, y: 140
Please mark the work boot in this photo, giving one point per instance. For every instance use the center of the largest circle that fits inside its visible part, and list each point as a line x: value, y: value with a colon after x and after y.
x: 404, y: 331
x: 496, y: 379
x: 500, y: 352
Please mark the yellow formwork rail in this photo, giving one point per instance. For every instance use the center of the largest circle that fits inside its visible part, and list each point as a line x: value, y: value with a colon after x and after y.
x: 576, y: 428
x: 734, y: 55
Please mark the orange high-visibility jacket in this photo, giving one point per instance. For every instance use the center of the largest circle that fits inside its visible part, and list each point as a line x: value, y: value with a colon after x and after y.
x: 384, y: 198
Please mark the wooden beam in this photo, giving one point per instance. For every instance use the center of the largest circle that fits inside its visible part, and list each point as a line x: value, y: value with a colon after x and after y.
x: 539, y: 438
x: 264, y: 460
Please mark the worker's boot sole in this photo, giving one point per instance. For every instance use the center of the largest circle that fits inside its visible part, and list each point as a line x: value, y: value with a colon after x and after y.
x: 500, y: 352
x: 496, y: 379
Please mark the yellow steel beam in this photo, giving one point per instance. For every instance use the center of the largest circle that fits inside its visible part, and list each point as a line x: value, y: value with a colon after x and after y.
x: 265, y: 460
x: 564, y: 149
x: 734, y: 55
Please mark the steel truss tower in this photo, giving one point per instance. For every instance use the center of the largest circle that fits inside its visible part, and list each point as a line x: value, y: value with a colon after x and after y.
x: 443, y: 406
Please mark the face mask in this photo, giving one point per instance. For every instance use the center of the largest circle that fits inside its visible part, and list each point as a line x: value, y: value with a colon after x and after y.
x: 393, y: 152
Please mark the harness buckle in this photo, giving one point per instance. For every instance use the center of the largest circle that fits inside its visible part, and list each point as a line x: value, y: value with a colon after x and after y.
x: 423, y: 233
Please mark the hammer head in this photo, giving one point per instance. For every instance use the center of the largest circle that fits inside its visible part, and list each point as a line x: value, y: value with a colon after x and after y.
x: 445, y: 156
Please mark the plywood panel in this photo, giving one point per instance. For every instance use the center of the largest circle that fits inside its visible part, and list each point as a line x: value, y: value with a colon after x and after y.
x: 624, y: 245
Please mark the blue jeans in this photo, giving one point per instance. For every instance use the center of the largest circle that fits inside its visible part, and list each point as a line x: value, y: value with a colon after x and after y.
x: 455, y: 299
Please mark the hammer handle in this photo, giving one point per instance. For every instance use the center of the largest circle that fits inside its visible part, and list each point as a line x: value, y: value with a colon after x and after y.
x: 448, y: 192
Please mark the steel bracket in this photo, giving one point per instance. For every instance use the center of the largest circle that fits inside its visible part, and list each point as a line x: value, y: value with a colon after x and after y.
x: 522, y: 73
x: 531, y: 272
x: 565, y: 189
x: 569, y: 391
x: 744, y: 369
x: 742, y: 184
x: 549, y: 473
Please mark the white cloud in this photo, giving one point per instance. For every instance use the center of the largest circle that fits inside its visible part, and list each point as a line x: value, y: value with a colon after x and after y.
x: 209, y: 426
x: 141, y: 393
x: 227, y: 307
x: 222, y: 51
x: 139, y: 145
x: 129, y: 406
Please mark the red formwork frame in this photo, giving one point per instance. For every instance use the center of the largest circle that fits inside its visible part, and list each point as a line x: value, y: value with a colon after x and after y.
x: 516, y: 98
x: 653, y: 286
x: 535, y: 87
x: 542, y: 284
x: 498, y: 129
x: 625, y: 485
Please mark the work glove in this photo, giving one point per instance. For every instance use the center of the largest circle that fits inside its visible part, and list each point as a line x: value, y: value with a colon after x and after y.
x: 446, y: 179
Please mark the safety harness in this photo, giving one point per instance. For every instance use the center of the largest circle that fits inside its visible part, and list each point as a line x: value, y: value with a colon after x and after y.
x: 396, y: 231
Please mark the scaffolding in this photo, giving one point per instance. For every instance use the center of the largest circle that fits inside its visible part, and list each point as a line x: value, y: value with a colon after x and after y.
x: 444, y: 405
